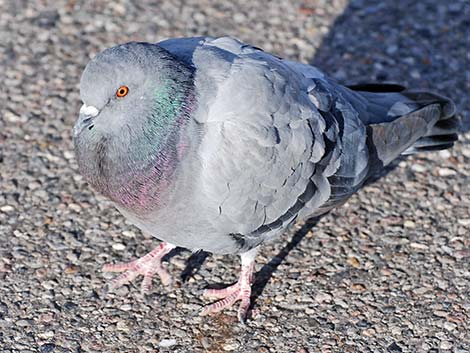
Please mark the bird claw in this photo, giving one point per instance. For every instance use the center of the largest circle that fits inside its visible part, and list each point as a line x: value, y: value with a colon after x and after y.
x: 239, y: 291
x: 147, y: 266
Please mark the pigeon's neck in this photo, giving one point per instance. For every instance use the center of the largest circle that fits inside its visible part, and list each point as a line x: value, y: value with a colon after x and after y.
x: 147, y: 188
x: 139, y: 174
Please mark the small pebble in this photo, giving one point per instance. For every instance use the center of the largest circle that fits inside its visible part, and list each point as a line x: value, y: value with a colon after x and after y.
x: 7, y: 209
x: 445, y: 345
x: 444, y: 172
x: 464, y: 222
x: 119, y: 246
x: 166, y: 343
x: 418, y: 168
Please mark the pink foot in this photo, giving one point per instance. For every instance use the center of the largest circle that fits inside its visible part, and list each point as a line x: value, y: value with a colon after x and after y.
x: 147, y: 266
x: 238, y: 291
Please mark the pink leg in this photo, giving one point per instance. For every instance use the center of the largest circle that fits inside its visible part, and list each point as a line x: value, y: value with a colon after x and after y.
x: 147, y: 266
x: 238, y: 291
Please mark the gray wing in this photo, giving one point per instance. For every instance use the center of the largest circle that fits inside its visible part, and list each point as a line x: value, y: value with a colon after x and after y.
x: 281, y: 141
x: 353, y: 155
x: 267, y: 151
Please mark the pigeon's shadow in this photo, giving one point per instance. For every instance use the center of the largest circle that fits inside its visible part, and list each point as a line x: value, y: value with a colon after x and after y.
x: 263, y: 276
x: 382, y: 41
x: 194, y: 263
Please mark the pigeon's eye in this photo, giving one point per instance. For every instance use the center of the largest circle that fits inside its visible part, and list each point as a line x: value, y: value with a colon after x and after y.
x: 122, y: 91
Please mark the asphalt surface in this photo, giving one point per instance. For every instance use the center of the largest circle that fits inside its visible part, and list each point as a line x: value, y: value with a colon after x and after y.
x: 386, y: 272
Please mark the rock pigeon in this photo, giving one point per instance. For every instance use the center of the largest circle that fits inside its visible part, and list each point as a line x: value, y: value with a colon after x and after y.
x: 213, y: 144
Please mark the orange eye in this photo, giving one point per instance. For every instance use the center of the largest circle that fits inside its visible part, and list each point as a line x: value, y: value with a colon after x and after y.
x: 122, y: 91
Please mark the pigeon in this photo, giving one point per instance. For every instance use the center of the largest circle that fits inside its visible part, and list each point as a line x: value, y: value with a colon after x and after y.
x: 213, y: 144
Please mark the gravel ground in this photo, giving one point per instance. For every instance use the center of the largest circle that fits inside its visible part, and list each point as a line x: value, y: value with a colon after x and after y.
x: 386, y: 272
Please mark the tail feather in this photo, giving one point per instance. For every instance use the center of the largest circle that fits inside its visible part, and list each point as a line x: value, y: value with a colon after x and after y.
x: 401, y: 121
x: 432, y: 143
x: 447, y: 126
x: 443, y: 133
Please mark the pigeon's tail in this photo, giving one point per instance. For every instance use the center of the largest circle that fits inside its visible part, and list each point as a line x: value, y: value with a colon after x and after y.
x: 442, y: 134
x: 405, y: 122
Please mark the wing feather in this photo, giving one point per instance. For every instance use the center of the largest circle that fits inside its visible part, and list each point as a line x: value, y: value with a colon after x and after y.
x: 273, y: 135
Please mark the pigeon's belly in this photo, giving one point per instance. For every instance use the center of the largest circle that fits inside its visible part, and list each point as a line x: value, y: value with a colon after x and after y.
x: 184, y: 228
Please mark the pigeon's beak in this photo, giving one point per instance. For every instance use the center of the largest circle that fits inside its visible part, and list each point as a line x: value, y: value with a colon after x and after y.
x: 87, y: 113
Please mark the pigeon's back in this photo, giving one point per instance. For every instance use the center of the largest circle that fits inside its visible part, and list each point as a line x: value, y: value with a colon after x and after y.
x: 282, y: 142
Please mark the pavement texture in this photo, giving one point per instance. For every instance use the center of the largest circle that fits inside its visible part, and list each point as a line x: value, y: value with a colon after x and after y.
x: 386, y: 272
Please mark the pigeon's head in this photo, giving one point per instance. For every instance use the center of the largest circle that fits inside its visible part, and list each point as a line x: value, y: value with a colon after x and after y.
x: 137, y: 100
x: 130, y: 84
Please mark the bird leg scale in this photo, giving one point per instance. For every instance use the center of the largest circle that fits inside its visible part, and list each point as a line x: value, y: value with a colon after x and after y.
x: 238, y: 291
x: 146, y: 266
